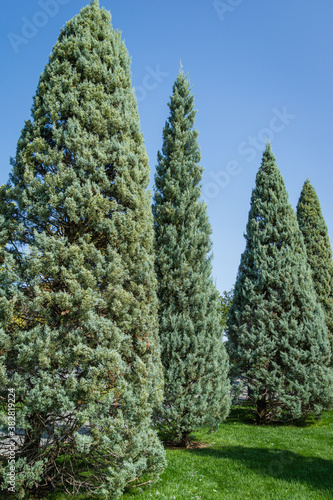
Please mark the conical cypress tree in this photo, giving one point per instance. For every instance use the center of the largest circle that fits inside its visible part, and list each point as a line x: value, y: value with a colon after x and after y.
x: 193, y: 355
x: 276, y: 328
x: 84, y: 358
x: 318, y: 249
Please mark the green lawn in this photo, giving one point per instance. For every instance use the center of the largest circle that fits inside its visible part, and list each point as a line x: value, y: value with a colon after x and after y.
x: 244, y: 461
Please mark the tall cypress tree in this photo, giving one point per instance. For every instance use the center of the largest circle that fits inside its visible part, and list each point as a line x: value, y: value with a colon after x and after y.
x: 276, y: 328
x: 193, y: 355
x: 81, y: 351
x: 318, y: 249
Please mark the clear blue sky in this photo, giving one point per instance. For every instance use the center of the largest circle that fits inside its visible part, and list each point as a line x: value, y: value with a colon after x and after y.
x: 260, y: 69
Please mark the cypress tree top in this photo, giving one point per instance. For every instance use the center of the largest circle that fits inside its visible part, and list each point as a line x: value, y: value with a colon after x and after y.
x: 180, y: 152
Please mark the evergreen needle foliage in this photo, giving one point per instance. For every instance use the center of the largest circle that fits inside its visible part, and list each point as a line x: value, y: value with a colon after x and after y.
x: 318, y: 249
x: 277, y: 334
x: 193, y: 355
x: 225, y: 304
x: 81, y: 349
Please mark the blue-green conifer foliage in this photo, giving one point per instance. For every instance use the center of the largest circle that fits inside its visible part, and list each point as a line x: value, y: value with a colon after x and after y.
x: 78, y: 335
x: 318, y: 249
x: 277, y: 334
x: 193, y: 355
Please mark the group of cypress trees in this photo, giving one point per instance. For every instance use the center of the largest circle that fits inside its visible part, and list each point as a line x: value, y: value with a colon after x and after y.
x: 278, y: 339
x: 79, y: 339
x: 111, y: 325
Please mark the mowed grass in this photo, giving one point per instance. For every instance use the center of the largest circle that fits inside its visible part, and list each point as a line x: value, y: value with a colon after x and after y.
x: 244, y: 461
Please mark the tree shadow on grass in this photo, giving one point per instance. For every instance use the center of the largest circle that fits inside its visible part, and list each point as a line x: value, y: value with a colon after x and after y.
x: 280, y: 464
x: 244, y: 414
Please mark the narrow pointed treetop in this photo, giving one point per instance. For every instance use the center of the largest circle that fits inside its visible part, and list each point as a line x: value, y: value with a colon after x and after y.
x: 319, y: 251
x: 277, y: 336
x: 82, y: 350
x: 193, y: 356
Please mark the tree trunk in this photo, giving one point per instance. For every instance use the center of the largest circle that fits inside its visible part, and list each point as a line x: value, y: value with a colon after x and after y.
x: 185, y: 440
x: 32, y: 437
x: 261, y: 410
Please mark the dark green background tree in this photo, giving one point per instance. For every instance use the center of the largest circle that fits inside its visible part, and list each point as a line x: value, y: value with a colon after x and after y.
x: 225, y: 304
x: 276, y: 328
x: 193, y: 355
x: 318, y: 249
x: 82, y: 349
